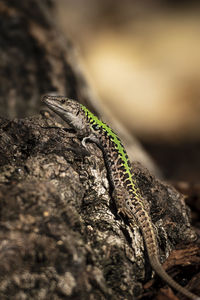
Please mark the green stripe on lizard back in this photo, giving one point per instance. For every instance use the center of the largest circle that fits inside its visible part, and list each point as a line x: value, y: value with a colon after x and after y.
x: 118, y: 146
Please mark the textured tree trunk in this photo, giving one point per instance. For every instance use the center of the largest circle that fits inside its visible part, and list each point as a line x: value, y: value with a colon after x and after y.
x: 60, y: 234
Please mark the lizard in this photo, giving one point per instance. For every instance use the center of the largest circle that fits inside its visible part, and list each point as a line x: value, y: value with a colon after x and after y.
x: 126, y: 193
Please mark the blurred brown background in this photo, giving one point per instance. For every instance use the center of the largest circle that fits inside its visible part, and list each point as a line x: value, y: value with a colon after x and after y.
x: 143, y: 59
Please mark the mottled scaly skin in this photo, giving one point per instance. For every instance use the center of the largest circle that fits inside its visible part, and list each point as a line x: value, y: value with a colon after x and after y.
x: 125, y: 191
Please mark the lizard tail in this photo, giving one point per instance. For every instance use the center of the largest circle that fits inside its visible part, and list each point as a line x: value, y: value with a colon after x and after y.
x: 152, y: 249
x: 161, y: 272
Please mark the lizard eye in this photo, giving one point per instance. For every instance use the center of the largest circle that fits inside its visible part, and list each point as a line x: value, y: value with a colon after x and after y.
x: 63, y: 101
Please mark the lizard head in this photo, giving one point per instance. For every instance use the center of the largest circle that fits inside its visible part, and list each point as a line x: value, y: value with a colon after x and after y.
x: 69, y: 110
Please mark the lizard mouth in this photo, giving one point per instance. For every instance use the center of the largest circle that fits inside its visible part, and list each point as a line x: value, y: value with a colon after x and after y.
x: 56, y: 105
x: 53, y: 103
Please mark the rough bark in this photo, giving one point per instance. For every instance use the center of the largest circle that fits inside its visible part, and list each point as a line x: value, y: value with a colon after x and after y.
x: 61, y: 236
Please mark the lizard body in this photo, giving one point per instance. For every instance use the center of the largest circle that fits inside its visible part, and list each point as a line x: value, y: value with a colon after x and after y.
x: 125, y: 191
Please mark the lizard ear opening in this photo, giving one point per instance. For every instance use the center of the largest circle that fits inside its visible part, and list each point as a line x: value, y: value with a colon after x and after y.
x: 95, y: 126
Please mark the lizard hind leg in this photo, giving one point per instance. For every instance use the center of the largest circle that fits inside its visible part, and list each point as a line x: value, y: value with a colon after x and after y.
x: 120, y: 196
